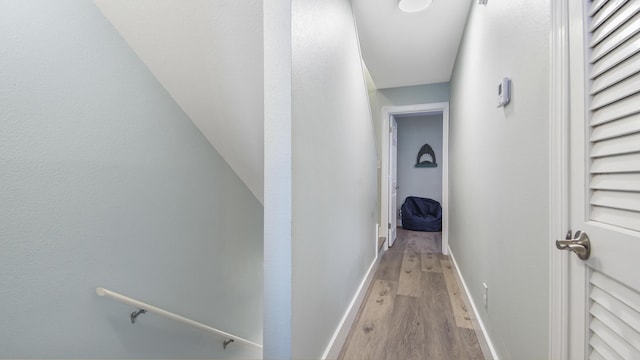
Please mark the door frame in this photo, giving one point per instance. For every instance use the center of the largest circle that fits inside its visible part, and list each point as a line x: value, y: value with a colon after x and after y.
x: 390, y: 210
x: 418, y: 109
x: 559, y: 110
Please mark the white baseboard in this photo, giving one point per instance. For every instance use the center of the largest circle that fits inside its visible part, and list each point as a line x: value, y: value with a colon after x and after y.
x: 344, y: 326
x: 486, y: 342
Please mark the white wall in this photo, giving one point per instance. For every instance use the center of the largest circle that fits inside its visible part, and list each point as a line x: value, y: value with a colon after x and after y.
x: 413, y: 133
x: 334, y: 172
x: 499, y: 173
x: 106, y: 182
x: 209, y: 57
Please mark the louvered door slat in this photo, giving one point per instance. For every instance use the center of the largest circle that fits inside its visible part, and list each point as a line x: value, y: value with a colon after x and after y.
x: 616, y: 164
x: 617, y: 182
x: 615, y: 93
x: 615, y: 318
x: 630, y: 316
x: 612, y: 287
x: 622, y: 200
x: 616, y: 74
x: 626, y: 107
x: 615, y: 57
x: 618, y: 344
x: 622, y: 34
x: 603, y: 350
x: 616, y: 325
x: 596, y: 5
x: 595, y: 355
x: 626, y: 126
x: 616, y: 146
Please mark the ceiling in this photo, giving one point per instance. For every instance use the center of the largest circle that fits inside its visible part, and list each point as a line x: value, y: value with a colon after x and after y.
x: 192, y: 48
x: 403, y: 49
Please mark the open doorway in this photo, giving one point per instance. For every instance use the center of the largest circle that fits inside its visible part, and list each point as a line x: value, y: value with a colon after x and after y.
x: 393, y: 192
x: 419, y: 158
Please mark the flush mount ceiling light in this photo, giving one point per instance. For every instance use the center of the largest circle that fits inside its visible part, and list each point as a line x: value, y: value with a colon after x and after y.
x: 413, y: 5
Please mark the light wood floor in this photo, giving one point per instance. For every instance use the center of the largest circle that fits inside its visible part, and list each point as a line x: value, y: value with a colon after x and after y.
x: 414, y: 308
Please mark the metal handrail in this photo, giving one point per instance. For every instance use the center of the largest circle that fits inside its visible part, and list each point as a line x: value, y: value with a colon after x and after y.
x: 144, y: 307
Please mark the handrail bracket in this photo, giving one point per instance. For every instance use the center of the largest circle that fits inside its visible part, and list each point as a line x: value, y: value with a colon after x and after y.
x: 135, y: 314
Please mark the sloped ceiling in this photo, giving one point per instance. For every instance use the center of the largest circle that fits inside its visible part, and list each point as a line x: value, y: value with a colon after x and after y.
x: 403, y: 49
x: 208, y: 56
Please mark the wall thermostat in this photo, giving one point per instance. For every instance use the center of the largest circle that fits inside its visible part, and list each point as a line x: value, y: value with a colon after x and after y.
x: 504, y: 92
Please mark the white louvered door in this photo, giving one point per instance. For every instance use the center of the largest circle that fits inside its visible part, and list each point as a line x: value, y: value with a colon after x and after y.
x: 605, y: 178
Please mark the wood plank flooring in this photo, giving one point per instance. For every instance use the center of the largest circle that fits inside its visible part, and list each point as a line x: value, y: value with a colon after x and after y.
x: 372, y: 323
x: 413, y: 308
x: 460, y: 312
x: 409, y: 283
x: 431, y: 263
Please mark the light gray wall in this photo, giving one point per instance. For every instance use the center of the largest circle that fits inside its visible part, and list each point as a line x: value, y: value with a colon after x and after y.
x: 499, y: 172
x: 277, y: 180
x: 106, y: 182
x: 409, y: 95
x: 334, y: 172
x: 413, y: 132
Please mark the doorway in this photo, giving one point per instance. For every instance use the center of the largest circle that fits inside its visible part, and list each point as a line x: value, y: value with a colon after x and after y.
x: 419, y: 135
x: 388, y: 188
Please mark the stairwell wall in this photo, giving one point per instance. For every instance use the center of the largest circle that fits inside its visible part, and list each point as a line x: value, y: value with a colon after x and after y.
x: 106, y: 182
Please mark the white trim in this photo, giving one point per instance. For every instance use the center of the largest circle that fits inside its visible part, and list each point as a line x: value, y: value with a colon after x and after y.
x: 344, y: 326
x: 578, y: 282
x: 377, y: 239
x: 483, y: 329
x: 445, y: 177
x: 392, y: 231
x: 418, y: 109
x: 559, y: 181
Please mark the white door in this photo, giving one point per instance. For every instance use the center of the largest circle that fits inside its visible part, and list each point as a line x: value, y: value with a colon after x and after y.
x: 393, y: 180
x: 604, y: 290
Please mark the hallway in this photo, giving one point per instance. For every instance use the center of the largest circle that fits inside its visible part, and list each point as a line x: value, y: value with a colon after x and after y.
x: 233, y: 153
x: 414, y: 308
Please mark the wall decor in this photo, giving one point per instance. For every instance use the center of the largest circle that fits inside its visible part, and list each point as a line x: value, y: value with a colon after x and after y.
x: 426, y: 157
